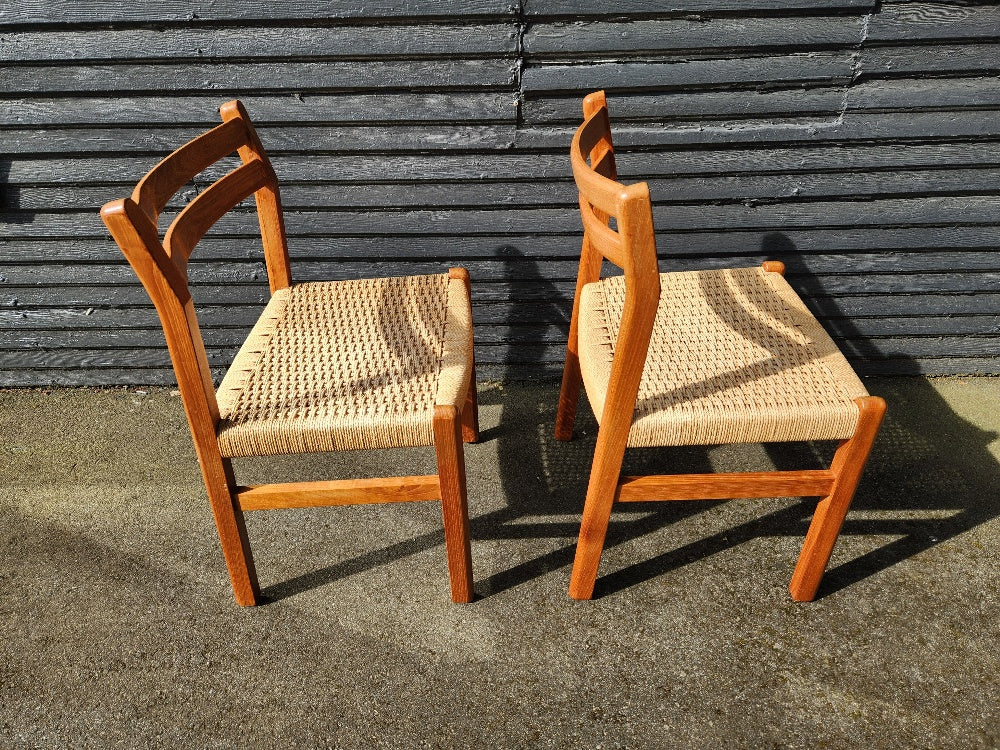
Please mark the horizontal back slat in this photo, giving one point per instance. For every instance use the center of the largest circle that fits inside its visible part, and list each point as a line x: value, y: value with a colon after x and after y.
x: 205, y: 210
x: 171, y: 174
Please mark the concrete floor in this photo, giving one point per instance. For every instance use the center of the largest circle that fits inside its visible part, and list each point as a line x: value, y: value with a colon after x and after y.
x: 118, y: 627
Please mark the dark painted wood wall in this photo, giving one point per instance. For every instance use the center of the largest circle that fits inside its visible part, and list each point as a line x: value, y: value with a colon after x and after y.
x: 857, y: 141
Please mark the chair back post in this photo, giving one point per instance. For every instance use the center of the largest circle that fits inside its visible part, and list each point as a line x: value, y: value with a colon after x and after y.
x: 631, y: 246
x: 602, y: 161
x: 167, y: 285
x: 642, y: 297
x: 602, y: 155
x: 589, y: 270
x: 268, y: 199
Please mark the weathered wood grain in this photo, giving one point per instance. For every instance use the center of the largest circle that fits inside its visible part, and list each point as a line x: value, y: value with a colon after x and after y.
x: 495, y: 364
x: 249, y: 42
x: 329, y: 138
x: 53, y: 327
x: 655, y: 7
x: 791, y: 69
x: 909, y: 22
x: 975, y: 342
x: 975, y: 59
x: 932, y: 210
x: 949, y: 246
x: 229, y: 80
x: 863, y: 295
x: 156, y: 356
x: 912, y: 95
x: 727, y: 189
x: 867, y: 126
x: 656, y: 110
x: 288, y: 108
x: 548, y: 41
x: 89, y: 11
x: 449, y: 168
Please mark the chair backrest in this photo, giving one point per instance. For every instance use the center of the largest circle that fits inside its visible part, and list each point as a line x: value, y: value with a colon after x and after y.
x: 630, y: 244
x: 162, y: 265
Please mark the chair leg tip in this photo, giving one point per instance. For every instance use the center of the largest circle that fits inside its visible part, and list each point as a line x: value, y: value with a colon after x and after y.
x: 247, y: 594
x: 581, y: 593
x: 802, y: 593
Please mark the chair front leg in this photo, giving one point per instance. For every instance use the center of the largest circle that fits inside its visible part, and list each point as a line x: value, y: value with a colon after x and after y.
x: 848, y: 463
x: 221, y: 486
x: 601, y: 491
x: 454, y: 500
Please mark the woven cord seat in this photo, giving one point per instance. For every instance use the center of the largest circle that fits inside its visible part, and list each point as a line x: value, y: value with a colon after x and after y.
x: 734, y: 357
x: 697, y: 358
x: 342, y: 365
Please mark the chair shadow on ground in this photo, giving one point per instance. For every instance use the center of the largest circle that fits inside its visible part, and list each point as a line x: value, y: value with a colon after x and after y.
x: 930, y: 476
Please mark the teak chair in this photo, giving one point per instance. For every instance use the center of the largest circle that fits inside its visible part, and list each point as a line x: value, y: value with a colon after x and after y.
x: 372, y: 363
x: 697, y: 358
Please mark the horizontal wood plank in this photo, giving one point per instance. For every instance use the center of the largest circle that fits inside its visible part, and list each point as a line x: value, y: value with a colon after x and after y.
x: 249, y: 42
x: 629, y: 38
x: 908, y: 22
x: 52, y: 327
x: 656, y: 7
x: 937, y: 210
x: 512, y: 348
x: 288, y: 108
x: 329, y: 138
x: 229, y: 80
x: 791, y: 69
x: 88, y: 11
x: 634, y: 165
x: 490, y: 365
x: 942, y: 247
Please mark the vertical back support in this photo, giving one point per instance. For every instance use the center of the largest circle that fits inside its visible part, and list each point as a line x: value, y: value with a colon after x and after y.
x: 268, y: 199
x: 632, y: 247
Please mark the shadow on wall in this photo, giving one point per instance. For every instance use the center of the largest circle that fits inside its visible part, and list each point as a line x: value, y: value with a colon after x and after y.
x: 930, y: 477
x: 10, y: 201
x: 779, y: 246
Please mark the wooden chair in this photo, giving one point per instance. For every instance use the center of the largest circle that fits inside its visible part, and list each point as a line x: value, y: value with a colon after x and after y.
x: 697, y: 358
x: 372, y: 363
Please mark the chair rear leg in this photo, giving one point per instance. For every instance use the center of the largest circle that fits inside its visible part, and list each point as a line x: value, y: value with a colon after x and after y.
x: 848, y: 463
x: 569, y: 395
x: 470, y: 410
x: 233, y: 535
x: 454, y: 500
x: 596, y: 513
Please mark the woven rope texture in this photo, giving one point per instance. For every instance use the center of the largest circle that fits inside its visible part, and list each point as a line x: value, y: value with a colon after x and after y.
x: 348, y: 364
x: 734, y: 357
